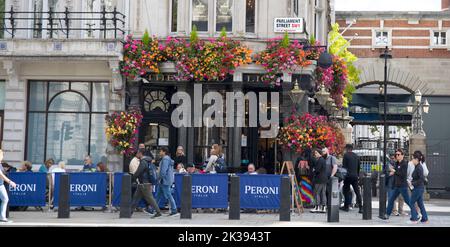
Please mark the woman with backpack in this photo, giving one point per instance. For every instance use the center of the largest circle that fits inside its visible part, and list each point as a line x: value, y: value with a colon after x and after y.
x: 215, y: 160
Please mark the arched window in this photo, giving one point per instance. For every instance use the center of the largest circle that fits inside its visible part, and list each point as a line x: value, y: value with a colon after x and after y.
x: 66, y: 121
x: 156, y: 100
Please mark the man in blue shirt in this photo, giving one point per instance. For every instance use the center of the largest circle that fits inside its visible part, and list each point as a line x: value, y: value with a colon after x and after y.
x: 166, y: 179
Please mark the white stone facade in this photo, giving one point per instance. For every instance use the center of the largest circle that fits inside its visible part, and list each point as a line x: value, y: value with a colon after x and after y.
x: 89, y: 57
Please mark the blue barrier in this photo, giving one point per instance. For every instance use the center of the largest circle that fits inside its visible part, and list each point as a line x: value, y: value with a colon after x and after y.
x: 260, y: 191
x: 30, y: 190
x: 208, y: 190
x: 86, y: 189
x: 117, y: 186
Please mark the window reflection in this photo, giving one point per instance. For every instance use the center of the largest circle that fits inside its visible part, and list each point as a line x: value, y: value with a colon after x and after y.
x: 224, y: 18
x: 64, y: 134
x: 200, y: 15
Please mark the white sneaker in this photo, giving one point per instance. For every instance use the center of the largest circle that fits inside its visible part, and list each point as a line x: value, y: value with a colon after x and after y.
x: 6, y: 221
x: 412, y: 222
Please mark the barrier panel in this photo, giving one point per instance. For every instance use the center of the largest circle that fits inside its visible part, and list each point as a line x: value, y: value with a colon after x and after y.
x: 260, y: 191
x: 208, y: 190
x: 30, y: 190
x: 117, y: 191
x: 85, y: 188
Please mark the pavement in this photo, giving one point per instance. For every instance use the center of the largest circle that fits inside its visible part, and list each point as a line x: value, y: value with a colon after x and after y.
x: 438, y: 210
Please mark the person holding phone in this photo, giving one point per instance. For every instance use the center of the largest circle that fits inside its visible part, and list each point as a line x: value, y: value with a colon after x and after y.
x: 3, y: 193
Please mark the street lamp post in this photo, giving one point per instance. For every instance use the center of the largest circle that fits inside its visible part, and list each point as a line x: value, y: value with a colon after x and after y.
x: 417, y: 109
x: 386, y: 55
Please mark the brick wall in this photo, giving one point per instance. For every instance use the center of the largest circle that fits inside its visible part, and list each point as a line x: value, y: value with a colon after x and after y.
x: 408, y: 40
x: 445, y: 4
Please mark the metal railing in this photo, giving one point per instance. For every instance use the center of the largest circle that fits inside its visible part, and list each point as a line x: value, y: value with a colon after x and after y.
x: 66, y: 24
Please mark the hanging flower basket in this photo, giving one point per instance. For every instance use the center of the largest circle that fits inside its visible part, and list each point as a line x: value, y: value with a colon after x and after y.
x: 307, y: 132
x: 121, y: 130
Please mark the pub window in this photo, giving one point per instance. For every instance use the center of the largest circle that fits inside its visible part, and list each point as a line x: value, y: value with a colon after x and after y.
x: 66, y: 121
x: 224, y: 16
x: 174, y: 14
x: 200, y: 14
x: 250, y: 8
x: 439, y: 38
x: 156, y: 101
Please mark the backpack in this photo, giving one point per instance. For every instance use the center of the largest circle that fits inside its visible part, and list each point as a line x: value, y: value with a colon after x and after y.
x: 151, y: 172
x: 220, y: 165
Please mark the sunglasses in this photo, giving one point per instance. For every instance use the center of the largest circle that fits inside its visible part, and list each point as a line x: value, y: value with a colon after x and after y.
x: 398, y: 154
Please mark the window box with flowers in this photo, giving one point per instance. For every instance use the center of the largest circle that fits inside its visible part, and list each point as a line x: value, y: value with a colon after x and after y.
x: 195, y: 59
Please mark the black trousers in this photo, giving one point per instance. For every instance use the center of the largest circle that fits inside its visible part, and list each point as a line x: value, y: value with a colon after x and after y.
x: 353, y: 181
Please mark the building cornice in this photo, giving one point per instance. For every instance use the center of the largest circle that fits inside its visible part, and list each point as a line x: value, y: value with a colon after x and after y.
x: 393, y: 14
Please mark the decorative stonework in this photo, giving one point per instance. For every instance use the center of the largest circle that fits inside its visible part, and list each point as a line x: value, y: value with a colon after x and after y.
x: 11, y: 70
x: 117, y: 83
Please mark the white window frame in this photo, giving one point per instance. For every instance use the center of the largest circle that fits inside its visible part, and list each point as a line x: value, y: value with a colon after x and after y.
x: 249, y: 34
x: 433, y: 45
x: 210, y: 15
x: 233, y: 6
x: 374, y: 35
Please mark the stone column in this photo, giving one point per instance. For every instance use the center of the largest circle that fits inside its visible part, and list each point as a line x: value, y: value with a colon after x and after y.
x: 116, y: 103
x: 419, y: 142
x: 14, y: 130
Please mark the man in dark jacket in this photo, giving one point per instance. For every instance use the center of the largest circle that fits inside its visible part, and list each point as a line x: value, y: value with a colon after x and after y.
x: 400, y: 173
x: 352, y: 163
x: 320, y: 181
x: 144, y: 185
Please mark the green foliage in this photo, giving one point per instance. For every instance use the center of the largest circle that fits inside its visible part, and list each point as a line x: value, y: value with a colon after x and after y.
x: 194, y: 34
x: 146, y: 38
x: 312, y: 39
x: 285, y: 41
x: 338, y: 46
x: 223, y: 32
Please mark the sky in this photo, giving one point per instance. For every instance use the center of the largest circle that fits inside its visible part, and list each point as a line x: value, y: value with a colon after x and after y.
x: 388, y: 5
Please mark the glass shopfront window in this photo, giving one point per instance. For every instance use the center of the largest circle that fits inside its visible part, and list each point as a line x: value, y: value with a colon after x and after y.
x: 66, y: 121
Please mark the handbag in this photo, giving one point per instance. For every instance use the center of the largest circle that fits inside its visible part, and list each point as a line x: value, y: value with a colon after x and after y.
x: 341, y: 173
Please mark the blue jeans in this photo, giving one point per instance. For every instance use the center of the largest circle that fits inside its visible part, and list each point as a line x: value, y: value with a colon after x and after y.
x: 4, y: 198
x: 417, y: 196
x: 164, y: 191
x: 393, y: 194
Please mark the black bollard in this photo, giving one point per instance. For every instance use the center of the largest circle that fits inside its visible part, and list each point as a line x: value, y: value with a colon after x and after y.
x: 64, y: 197
x: 333, y: 200
x: 285, y: 199
x: 367, y: 198
x: 125, y: 197
x: 186, y: 198
x: 383, y: 197
x: 235, y: 203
